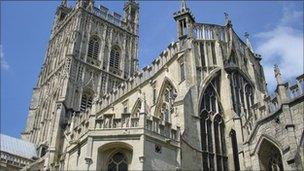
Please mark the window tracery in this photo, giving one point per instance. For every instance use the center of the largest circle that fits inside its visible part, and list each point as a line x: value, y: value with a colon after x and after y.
x: 86, y: 101
x: 242, y: 94
x: 166, y: 103
x: 118, y: 162
x: 93, y: 49
x: 212, y: 130
x: 115, y: 57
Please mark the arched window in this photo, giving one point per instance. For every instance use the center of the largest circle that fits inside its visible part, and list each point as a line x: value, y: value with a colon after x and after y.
x: 118, y: 162
x: 242, y: 94
x: 93, y: 49
x: 165, y: 105
x: 249, y: 96
x: 235, y: 150
x: 136, y: 109
x: 86, y: 101
x: 212, y: 130
x: 115, y: 57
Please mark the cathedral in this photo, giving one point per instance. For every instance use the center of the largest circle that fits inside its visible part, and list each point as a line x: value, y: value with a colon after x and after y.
x: 202, y: 104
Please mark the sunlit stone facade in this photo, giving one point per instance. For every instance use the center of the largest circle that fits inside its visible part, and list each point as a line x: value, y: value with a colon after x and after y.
x: 202, y: 104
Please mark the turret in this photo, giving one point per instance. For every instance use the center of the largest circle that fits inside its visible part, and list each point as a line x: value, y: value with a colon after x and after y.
x: 131, y: 9
x: 281, y: 87
x: 246, y: 35
x: 184, y: 21
x: 84, y: 3
x: 60, y: 14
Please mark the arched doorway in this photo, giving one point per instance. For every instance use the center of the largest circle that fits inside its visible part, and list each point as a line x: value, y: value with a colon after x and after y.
x: 270, y: 157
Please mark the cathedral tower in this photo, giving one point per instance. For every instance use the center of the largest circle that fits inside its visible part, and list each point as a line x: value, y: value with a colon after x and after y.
x: 90, y: 52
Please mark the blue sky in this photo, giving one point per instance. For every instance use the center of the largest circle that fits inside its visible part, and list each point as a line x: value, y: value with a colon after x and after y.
x: 276, y: 30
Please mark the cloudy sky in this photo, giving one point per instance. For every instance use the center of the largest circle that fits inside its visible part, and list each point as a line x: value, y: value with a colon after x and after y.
x: 276, y: 30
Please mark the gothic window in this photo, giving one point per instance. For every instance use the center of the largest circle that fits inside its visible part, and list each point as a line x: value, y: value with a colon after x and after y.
x: 105, y: 58
x: 233, y: 58
x: 154, y: 95
x: 115, y: 57
x: 249, y: 97
x: 182, y: 71
x: 212, y: 130
x: 183, y: 27
x: 86, y: 101
x: 168, y: 96
x: 103, y: 83
x: 136, y: 109
x: 242, y: 93
x: 202, y: 54
x: 235, y: 150
x: 93, y: 49
x: 118, y: 162
x: 213, y: 53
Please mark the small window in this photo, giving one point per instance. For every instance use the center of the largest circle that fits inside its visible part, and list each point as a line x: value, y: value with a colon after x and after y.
x: 202, y: 54
x: 182, y: 71
x: 213, y: 53
x: 154, y: 96
x: 115, y: 57
x: 86, y: 102
x: 158, y: 149
x: 125, y: 106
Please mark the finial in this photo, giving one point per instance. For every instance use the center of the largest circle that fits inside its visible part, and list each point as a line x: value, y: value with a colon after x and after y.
x: 227, y: 19
x: 64, y: 3
x: 246, y: 35
x: 277, y: 74
x: 183, y: 5
x: 226, y: 16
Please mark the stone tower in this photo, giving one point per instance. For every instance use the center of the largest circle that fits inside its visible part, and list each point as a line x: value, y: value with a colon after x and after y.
x: 90, y: 52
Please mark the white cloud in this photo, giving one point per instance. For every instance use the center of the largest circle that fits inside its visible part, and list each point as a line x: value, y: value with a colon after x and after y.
x: 4, y: 64
x: 283, y: 45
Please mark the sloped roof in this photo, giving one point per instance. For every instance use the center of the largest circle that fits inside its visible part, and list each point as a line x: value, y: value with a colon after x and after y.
x: 17, y: 147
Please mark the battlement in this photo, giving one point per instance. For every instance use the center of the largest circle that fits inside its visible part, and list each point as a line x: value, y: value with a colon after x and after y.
x: 139, y: 78
x: 272, y: 104
x: 112, y: 17
x: 79, y: 125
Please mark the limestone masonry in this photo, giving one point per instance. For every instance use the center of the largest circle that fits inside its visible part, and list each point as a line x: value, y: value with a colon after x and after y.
x: 202, y: 104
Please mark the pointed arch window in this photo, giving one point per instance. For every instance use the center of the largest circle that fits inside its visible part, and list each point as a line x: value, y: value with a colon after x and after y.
x: 118, y: 162
x: 235, y: 150
x: 212, y: 130
x: 136, y: 109
x: 115, y: 57
x: 166, y: 102
x: 86, y: 101
x: 242, y: 94
x: 93, y: 49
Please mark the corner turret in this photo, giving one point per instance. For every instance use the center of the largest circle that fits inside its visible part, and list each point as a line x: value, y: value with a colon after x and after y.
x: 184, y: 21
x: 131, y: 9
x: 281, y: 87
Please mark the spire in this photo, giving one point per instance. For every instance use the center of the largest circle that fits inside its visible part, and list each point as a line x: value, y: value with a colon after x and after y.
x: 227, y: 19
x: 277, y: 74
x: 183, y: 5
x: 246, y: 34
